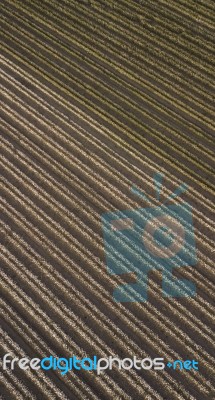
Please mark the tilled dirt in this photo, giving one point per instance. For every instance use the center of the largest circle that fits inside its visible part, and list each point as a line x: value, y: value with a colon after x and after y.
x: 97, y: 97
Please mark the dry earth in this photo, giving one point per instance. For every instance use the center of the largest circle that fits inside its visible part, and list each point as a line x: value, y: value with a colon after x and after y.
x: 97, y: 96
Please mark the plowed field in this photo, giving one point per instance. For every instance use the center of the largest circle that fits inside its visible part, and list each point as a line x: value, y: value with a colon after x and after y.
x: 98, y: 96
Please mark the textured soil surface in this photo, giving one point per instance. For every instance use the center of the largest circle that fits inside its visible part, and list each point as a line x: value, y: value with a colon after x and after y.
x: 98, y: 96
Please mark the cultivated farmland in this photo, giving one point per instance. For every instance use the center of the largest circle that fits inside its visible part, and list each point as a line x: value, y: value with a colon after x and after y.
x: 98, y: 96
